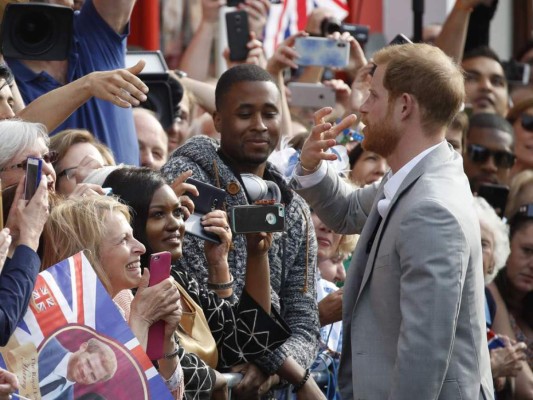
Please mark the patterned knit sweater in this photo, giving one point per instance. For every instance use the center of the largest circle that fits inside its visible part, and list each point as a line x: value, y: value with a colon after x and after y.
x: 296, y: 249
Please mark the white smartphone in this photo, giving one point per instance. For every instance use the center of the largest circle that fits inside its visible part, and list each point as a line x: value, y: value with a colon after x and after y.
x: 321, y: 51
x: 311, y: 95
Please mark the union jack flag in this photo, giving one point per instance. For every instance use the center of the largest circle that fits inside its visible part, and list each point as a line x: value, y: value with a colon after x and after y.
x: 70, y: 304
x: 290, y: 17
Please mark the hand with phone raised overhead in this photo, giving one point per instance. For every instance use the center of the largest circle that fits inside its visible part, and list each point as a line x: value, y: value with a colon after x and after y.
x: 254, y: 56
x: 285, y: 56
x: 322, y: 137
x: 257, y: 11
x: 26, y: 219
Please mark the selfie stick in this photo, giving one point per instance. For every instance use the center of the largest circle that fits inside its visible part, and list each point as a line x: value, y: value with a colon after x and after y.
x: 418, y: 13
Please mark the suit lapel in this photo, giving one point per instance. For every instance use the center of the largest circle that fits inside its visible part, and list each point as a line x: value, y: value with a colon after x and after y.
x: 437, y: 156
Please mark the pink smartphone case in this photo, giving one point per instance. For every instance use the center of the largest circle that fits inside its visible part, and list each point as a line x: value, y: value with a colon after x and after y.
x: 159, y: 271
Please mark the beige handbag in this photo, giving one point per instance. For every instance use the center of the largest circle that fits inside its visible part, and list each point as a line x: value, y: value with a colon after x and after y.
x: 194, y: 333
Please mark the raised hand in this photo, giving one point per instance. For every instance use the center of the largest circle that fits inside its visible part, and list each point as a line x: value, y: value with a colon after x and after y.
x: 285, y: 56
x: 120, y: 86
x: 217, y: 222
x: 322, y: 137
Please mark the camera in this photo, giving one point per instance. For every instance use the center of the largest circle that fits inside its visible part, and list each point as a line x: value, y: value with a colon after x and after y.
x: 164, y: 93
x: 32, y: 31
x: 516, y: 73
x: 331, y: 24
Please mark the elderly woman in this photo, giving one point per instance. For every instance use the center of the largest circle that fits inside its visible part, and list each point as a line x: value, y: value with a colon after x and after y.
x: 158, y: 223
x: 18, y: 141
x: 78, y: 154
x: 507, y: 363
x: 101, y: 226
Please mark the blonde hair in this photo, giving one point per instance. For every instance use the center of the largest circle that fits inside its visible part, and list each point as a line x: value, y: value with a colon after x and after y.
x: 64, y: 140
x: 518, y: 184
x: 80, y: 224
x: 429, y: 75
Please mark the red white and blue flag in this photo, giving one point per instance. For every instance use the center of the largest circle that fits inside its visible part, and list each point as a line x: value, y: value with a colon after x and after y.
x: 70, y: 304
x: 290, y: 17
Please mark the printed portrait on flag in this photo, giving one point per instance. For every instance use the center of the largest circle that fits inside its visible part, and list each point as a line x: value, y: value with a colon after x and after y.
x: 73, y: 342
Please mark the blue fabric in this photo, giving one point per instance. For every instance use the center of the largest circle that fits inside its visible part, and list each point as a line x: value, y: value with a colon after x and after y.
x: 16, y: 285
x: 50, y: 355
x: 95, y: 47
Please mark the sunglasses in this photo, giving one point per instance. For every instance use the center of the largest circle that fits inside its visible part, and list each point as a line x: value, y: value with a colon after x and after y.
x: 526, y: 120
x: 480, y: 154
x: 50, y: 157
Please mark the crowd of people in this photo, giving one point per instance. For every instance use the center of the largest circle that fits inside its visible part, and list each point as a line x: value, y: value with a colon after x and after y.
x: 405, y: 265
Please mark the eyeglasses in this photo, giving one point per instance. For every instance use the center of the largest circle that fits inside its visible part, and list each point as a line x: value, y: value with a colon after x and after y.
x: 50, y: 157
x: 68, y: 172
x: 480, y: 154
x: 526, y: 120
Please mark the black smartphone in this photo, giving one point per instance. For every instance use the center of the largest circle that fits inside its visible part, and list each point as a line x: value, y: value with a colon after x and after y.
x: 516, y: 73
x: 210, y: 198
x: 34, y: 168
x: 400, y: 38
x: 496, y: 196
x: 257, y: 218
x: 238, y: 35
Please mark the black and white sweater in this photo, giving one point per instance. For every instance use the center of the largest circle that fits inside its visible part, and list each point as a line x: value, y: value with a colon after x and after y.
x: 296, y: 248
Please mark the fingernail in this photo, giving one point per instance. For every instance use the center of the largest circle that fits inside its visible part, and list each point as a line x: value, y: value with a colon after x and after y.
x: 143, y: 97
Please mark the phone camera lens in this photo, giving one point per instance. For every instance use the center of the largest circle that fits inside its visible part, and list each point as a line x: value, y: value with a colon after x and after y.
x: 341, y: 44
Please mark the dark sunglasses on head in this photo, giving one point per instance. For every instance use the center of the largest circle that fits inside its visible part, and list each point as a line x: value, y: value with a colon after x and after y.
x: 480, y: 154
x: 526, y: 120
x: 50, y: 157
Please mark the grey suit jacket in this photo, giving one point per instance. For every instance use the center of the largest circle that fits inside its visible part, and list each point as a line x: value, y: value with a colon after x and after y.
x: 413, y: 306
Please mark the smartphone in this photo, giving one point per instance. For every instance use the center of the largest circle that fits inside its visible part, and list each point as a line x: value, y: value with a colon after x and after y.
x: 210, y: 198
x: 34, y: 169
x: 311, y: 95
x: 516, y: 73
x: 238, y: 35
x: 400, y: 38
x: 257, y: 218
x: 496, y: 196
x: 159, y: 271
x: 325, y: 52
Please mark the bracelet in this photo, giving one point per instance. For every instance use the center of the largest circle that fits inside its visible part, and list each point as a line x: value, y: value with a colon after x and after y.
x: 310, y: 170
x: 459, y: 4
x: 221, y: 286
x: 301, y: 384
x: 172, y: 354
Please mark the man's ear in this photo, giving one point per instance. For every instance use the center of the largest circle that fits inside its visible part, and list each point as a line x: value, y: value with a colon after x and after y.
x: 407, y: 105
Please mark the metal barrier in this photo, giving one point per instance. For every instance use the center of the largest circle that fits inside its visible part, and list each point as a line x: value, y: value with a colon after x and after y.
x: 233, y: 379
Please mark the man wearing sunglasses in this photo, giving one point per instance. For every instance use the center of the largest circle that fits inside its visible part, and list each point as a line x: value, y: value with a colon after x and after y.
x: 488, y: 156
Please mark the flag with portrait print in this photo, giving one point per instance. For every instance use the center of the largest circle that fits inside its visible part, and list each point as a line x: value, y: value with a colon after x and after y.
x: 70, y: 306
x: 290, y: 16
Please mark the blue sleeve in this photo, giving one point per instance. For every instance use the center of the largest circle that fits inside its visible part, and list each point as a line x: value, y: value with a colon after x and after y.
x: 98, y: 43
x: 16, y: 285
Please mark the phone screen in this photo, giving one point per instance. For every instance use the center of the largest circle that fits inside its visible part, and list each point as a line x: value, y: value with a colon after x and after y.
x: 33, y: 176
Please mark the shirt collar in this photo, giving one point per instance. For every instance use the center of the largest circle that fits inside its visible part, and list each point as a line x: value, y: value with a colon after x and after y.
x: 395, y: 180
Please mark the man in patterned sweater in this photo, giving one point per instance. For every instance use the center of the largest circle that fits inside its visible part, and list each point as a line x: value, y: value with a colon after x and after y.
x: 248, y: 105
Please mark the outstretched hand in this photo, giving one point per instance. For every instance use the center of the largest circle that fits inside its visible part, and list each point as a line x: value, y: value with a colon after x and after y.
x: 120, y: 86
x: 322, y: 137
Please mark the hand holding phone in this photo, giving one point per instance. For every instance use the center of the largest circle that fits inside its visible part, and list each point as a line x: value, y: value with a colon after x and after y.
x: 325, y: 52
x: 257, y: 218
x: 159, y: 271
x: 238, y: 33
